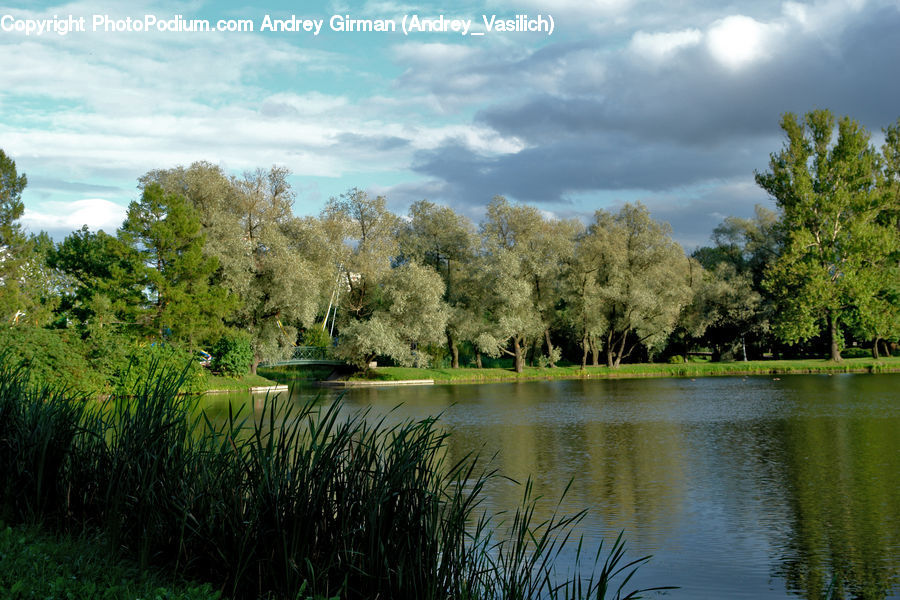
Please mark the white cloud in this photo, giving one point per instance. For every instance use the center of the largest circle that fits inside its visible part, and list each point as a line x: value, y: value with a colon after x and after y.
x: 96, y: 213
x: 658, y: 46
x: 737, y: 41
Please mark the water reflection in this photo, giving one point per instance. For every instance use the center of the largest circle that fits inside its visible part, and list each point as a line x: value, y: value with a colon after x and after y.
x: 740, y: 487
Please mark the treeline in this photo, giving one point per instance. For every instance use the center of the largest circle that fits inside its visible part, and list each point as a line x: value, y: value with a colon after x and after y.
x: 204, y: 258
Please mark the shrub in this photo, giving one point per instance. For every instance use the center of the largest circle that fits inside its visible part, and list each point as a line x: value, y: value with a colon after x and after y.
x: 316, y: 336
x: 145, y: 358
x: 856, y: 353
x: 233, y: 354
x: 51, y: 357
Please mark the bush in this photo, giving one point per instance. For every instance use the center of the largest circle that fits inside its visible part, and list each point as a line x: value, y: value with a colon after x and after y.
x: 233, y: 354
x: 145, y: 358
x: 316, y: 336
x: 676, y: 359
x: 856, y: 353
x: 51, y: 357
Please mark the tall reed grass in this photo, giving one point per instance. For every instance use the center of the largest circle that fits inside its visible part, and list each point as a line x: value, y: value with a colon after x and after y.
x: 300, y: 502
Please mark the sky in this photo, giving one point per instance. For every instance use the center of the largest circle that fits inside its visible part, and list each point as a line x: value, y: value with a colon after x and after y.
x: 672, y: 104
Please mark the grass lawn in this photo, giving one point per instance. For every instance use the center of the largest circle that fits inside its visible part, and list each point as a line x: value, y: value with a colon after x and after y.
x: 221, y: 383
x: 690, y: 369
x: 34, y: 564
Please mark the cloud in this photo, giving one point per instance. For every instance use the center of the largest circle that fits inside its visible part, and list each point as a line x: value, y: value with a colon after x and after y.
x: 61, y: 218
x: 658, y: 46
x: 737, y: 41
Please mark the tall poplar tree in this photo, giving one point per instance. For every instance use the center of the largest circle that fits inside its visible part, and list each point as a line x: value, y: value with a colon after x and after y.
x: 836, y: 244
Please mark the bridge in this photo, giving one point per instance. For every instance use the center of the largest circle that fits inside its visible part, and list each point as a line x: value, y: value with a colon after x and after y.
x: 307, y: 355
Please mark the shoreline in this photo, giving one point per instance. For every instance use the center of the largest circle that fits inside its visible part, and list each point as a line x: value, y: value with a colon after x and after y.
x: 409, y: 376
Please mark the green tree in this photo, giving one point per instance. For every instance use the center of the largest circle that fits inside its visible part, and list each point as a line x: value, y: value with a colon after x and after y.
x: 539, y: 248
x: 643, y: 280
x: 105, y: 280
x: 277, y: 285
x: 834, y: 244
x: 11, y: 207
x: 411, y: 314
x: 730, y: 304
x: 444, y: 240
x: 363, y: 237
x: 166, y: 230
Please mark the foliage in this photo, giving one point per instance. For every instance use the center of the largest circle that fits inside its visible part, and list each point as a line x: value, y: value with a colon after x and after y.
x: 835, y: 245
x: 317, y: 336
x: 11, y: 207
x: 299, y: 501
x: 106, y: 282
x: 53, y: 358
x: 411, y: 313
x: 165, y: 229
x: 642, y: 279
x: 142, y: 359
x: 438, y: 237
x: 233, y: 354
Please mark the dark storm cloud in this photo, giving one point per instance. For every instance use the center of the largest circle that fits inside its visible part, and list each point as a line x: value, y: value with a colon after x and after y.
x: 685, y: 134
x: 613, y: 161
x: 695, y: 100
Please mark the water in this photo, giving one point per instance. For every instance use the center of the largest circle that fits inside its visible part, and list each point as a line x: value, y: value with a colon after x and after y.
x: 740, y: 487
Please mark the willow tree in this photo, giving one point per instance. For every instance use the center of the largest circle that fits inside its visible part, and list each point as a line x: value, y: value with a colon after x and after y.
x: 642, y: 282
x: 443, y: 239
x: 824, y: 180
x: 537, y: 247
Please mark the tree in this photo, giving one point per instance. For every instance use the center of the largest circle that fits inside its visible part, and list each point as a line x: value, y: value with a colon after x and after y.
x: 276, y: 285
x: 439, y: 237
x: 11, y: 207
x: 730, y: 305
x: 642, y: 282
x: 165, y: 229
x: 106, y: 282
x: 538, y: 247
x: 826, y: 190
x: 362, y: 234
x: 410, y: 315
x: 15, y: 299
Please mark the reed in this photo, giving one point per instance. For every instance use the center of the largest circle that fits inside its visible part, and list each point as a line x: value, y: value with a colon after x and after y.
x: 303, y: 501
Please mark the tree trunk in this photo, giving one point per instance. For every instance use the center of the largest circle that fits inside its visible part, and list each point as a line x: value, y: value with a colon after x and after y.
x: 833, y: 333
x: 609, y: 350
x: 254, y: 364
x: 595, y: 351
x: 621, y: 349
x: 875, y: 348
x: 549, y: 347
x: 584, y: 353
x: 454, y: 351
x: 477, y: 358
x: 518, y: 355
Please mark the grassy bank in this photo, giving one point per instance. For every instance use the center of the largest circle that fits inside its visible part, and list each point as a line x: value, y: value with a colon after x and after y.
x: 300, y: 502
x: 34, y: 564
x: 689, y: 369
x: 220, y: 383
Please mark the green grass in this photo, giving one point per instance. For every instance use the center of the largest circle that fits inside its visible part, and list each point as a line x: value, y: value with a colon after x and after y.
x: 301, y: 501
x: 689, y: 369
x: 34, y: 564
x: 221, y: 383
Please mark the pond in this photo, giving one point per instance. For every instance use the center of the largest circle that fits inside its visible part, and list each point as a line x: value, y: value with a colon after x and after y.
x: 740, y: 487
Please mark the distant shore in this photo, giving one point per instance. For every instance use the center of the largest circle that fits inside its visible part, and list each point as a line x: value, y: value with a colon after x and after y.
x: 689, y: 369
